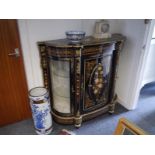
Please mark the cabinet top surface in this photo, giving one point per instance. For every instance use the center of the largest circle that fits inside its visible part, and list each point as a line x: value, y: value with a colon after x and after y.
x: 87, y: 41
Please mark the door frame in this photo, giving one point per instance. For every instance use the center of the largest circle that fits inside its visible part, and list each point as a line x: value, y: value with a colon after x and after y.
x: 133, y: 100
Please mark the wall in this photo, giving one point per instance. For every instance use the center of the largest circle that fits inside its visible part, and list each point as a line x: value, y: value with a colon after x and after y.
x: 134, y: 30
x: 88, y: 25
x: 32, y: 31
x: 149, y: 72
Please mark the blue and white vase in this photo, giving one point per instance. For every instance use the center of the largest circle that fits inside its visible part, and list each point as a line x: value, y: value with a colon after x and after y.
x: 41, y: 110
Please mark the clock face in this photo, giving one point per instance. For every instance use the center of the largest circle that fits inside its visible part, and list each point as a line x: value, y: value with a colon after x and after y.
x: 105, y: 28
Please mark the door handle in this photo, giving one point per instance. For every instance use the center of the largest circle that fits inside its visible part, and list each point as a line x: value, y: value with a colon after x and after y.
x: 15, y: 53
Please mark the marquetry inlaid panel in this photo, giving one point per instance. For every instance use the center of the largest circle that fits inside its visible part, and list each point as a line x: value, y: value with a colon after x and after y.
x: 97, y: 76
x: 95, y: 84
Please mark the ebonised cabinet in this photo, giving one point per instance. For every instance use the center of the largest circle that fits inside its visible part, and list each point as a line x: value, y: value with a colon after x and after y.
x: 81, y: 77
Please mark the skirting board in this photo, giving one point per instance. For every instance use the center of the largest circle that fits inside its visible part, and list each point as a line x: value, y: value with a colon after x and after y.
x: 144, y: 82
x: 120, y: 101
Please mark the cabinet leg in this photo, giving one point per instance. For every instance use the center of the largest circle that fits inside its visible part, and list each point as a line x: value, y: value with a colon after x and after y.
x: 112, y: 108
x: 78, y: 121
x: 112, y: 105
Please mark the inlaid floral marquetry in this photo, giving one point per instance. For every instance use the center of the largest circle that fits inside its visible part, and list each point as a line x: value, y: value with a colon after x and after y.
x: 97, y: 83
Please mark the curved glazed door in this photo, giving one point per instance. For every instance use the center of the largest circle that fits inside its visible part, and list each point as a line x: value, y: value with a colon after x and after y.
x: 61, y: 84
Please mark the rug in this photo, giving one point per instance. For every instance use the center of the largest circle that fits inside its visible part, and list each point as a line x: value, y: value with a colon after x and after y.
x: 66, y: 132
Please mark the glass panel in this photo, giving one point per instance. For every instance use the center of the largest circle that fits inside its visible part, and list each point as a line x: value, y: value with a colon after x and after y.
x: 106, y: 61
x: 60, y: 76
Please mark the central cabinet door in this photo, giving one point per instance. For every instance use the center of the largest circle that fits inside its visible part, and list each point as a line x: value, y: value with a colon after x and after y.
x: 96, y: 71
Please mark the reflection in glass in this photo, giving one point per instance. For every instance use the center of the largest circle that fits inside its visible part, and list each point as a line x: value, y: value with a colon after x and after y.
x: 60, y: 76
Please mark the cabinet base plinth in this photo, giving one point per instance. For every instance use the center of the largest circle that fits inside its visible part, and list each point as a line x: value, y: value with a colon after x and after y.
x: 83, y: 117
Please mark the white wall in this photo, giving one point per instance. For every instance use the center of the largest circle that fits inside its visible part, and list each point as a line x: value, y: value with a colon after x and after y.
x: 88, y: 25
x: 149, y: 72
x: 32, y: 31
x: 134, y: 30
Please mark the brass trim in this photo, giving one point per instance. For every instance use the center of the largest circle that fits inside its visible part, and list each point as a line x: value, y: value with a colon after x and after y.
x: 95, y: 111
x: 62, y: 117
x: 78, y: 121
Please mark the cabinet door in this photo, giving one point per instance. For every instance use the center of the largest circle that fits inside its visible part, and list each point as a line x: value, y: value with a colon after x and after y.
x: 96, y: 71
x: 61, y: 81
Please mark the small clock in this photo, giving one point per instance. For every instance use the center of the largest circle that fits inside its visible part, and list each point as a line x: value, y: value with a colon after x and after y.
x: 102, y: 29
x: 105, y: 26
